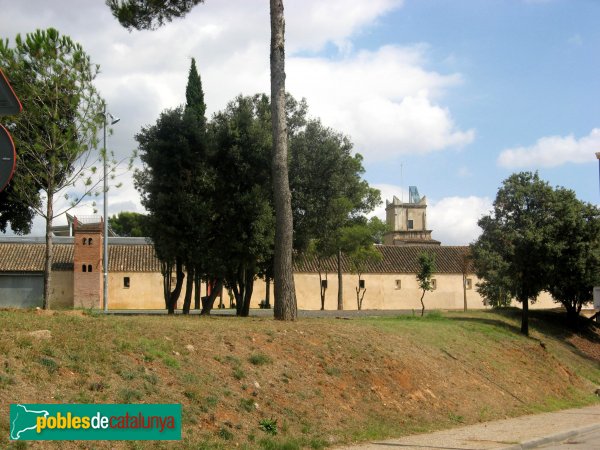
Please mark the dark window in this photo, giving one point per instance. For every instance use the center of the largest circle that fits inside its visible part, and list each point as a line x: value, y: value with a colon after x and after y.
x: 410, y: 224
x: 361, y: 284
x: 84, y: 241
x: 324, y: 284
x: 89, y: 267
x: 83, y: 268
x: 126, y: 282
x: 90, y: 241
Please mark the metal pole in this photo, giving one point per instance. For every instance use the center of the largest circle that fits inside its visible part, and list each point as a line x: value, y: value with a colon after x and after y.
x: 598, y: 156
x: 105, y: 251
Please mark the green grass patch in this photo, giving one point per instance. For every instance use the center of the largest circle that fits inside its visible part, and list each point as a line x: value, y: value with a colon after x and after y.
x: 259, y: 359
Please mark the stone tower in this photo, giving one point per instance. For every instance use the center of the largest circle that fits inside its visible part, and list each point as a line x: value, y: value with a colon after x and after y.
x: 87, y: 262
x: 408, y: 221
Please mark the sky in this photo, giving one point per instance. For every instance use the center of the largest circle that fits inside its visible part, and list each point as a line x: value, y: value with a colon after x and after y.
x: 449, y: 96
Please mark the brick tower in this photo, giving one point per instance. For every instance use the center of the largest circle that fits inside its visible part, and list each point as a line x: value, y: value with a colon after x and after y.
x: 87, y: 262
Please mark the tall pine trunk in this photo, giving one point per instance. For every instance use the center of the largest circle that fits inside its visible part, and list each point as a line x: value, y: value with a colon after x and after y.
x: 209, y: 300
x: 189, y: 286
x: 49, y: 249
x: 174, y: 296
x: 340, y: 288
x: 525, y: 317
x: 285, y: 292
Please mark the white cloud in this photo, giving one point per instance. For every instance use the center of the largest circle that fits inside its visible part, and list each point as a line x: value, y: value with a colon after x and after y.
x: 384, y: 100
x: 311, y: 24
x: 452, y: 219
x: 552, y: 151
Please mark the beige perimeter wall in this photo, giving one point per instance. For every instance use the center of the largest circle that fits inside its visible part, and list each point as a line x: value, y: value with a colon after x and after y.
x: 145, y: 291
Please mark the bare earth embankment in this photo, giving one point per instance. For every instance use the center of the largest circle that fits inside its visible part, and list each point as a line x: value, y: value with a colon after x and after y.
x: 324, y: 381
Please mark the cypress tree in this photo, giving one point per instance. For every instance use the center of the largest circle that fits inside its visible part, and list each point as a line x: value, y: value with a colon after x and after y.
x: 194, y: 95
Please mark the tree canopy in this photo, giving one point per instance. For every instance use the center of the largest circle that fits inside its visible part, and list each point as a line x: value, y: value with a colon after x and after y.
x: 58, y: 127
x: 151, y: 14
x: 538, y: 238
x: 128, y: 224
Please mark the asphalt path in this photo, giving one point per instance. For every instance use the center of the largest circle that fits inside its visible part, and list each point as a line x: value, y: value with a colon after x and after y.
x: 587, y: 441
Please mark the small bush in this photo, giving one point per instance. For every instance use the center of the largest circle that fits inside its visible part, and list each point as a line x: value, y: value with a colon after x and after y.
x: 50, y: 365
x: 98, y: 386
x: 269, y: 426
x: 247, y: 404
x: 259, y: 359
x: 130, y: 395
x: 225, y: 434
x: 238, y: 373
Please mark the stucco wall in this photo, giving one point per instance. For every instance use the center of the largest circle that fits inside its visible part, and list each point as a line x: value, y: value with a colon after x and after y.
x: 61, y: 290
x: 146, y: 292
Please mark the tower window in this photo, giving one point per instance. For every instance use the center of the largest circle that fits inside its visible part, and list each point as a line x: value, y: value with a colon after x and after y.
x: 84, y: 268
x: 84, y: 241
x: 410, y: 224
x: 126, y: 282
x: 90, y: 241
x: 89, y: 267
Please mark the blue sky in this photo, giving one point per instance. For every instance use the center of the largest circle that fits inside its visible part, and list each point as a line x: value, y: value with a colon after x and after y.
x: 457, y: 93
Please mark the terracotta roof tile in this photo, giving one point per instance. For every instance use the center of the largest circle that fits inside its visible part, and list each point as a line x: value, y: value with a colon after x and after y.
x: 16, y: 257
x: 29, y: 257
x: 398, y: 259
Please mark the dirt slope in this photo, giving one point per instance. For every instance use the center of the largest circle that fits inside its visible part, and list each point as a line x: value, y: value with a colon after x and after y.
x: 324, y: 381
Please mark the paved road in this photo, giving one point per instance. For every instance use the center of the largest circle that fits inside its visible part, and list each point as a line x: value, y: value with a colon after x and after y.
x: 587, y: 441
x: 515, y: 434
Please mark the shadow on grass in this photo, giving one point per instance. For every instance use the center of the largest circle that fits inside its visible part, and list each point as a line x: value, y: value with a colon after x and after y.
x: 550, y: 323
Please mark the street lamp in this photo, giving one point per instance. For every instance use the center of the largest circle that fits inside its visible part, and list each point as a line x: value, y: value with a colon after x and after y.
x: 113, y: 120
x: 598, y: 156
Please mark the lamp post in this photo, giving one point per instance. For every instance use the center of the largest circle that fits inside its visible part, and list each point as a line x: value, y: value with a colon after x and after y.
x: 598, y: 156
x: 113, y: 120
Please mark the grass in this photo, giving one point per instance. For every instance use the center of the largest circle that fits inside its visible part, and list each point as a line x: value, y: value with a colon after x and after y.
x: 259, y: 359
x: 322, y: 382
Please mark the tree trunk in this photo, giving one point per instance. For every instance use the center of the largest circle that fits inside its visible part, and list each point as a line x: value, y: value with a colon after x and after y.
x: 49, y: 250
x: 167, y: 270
x: 465, y: 292
x: 285, y: 292
x: 572, y: 314
x: 249, y: 282
x: 197, y: 288
x: 209, y: 300
x: 189, y: 286
x: 422, y: 304
x: 174, y: 296
x: 323, y: 290
x: 525, y: 317
x: 267, y: 292
x: 239, y: 287
x: 340, y: 291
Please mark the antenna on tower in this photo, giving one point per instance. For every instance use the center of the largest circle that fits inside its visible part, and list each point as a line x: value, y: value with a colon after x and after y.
x: 401, y: 185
